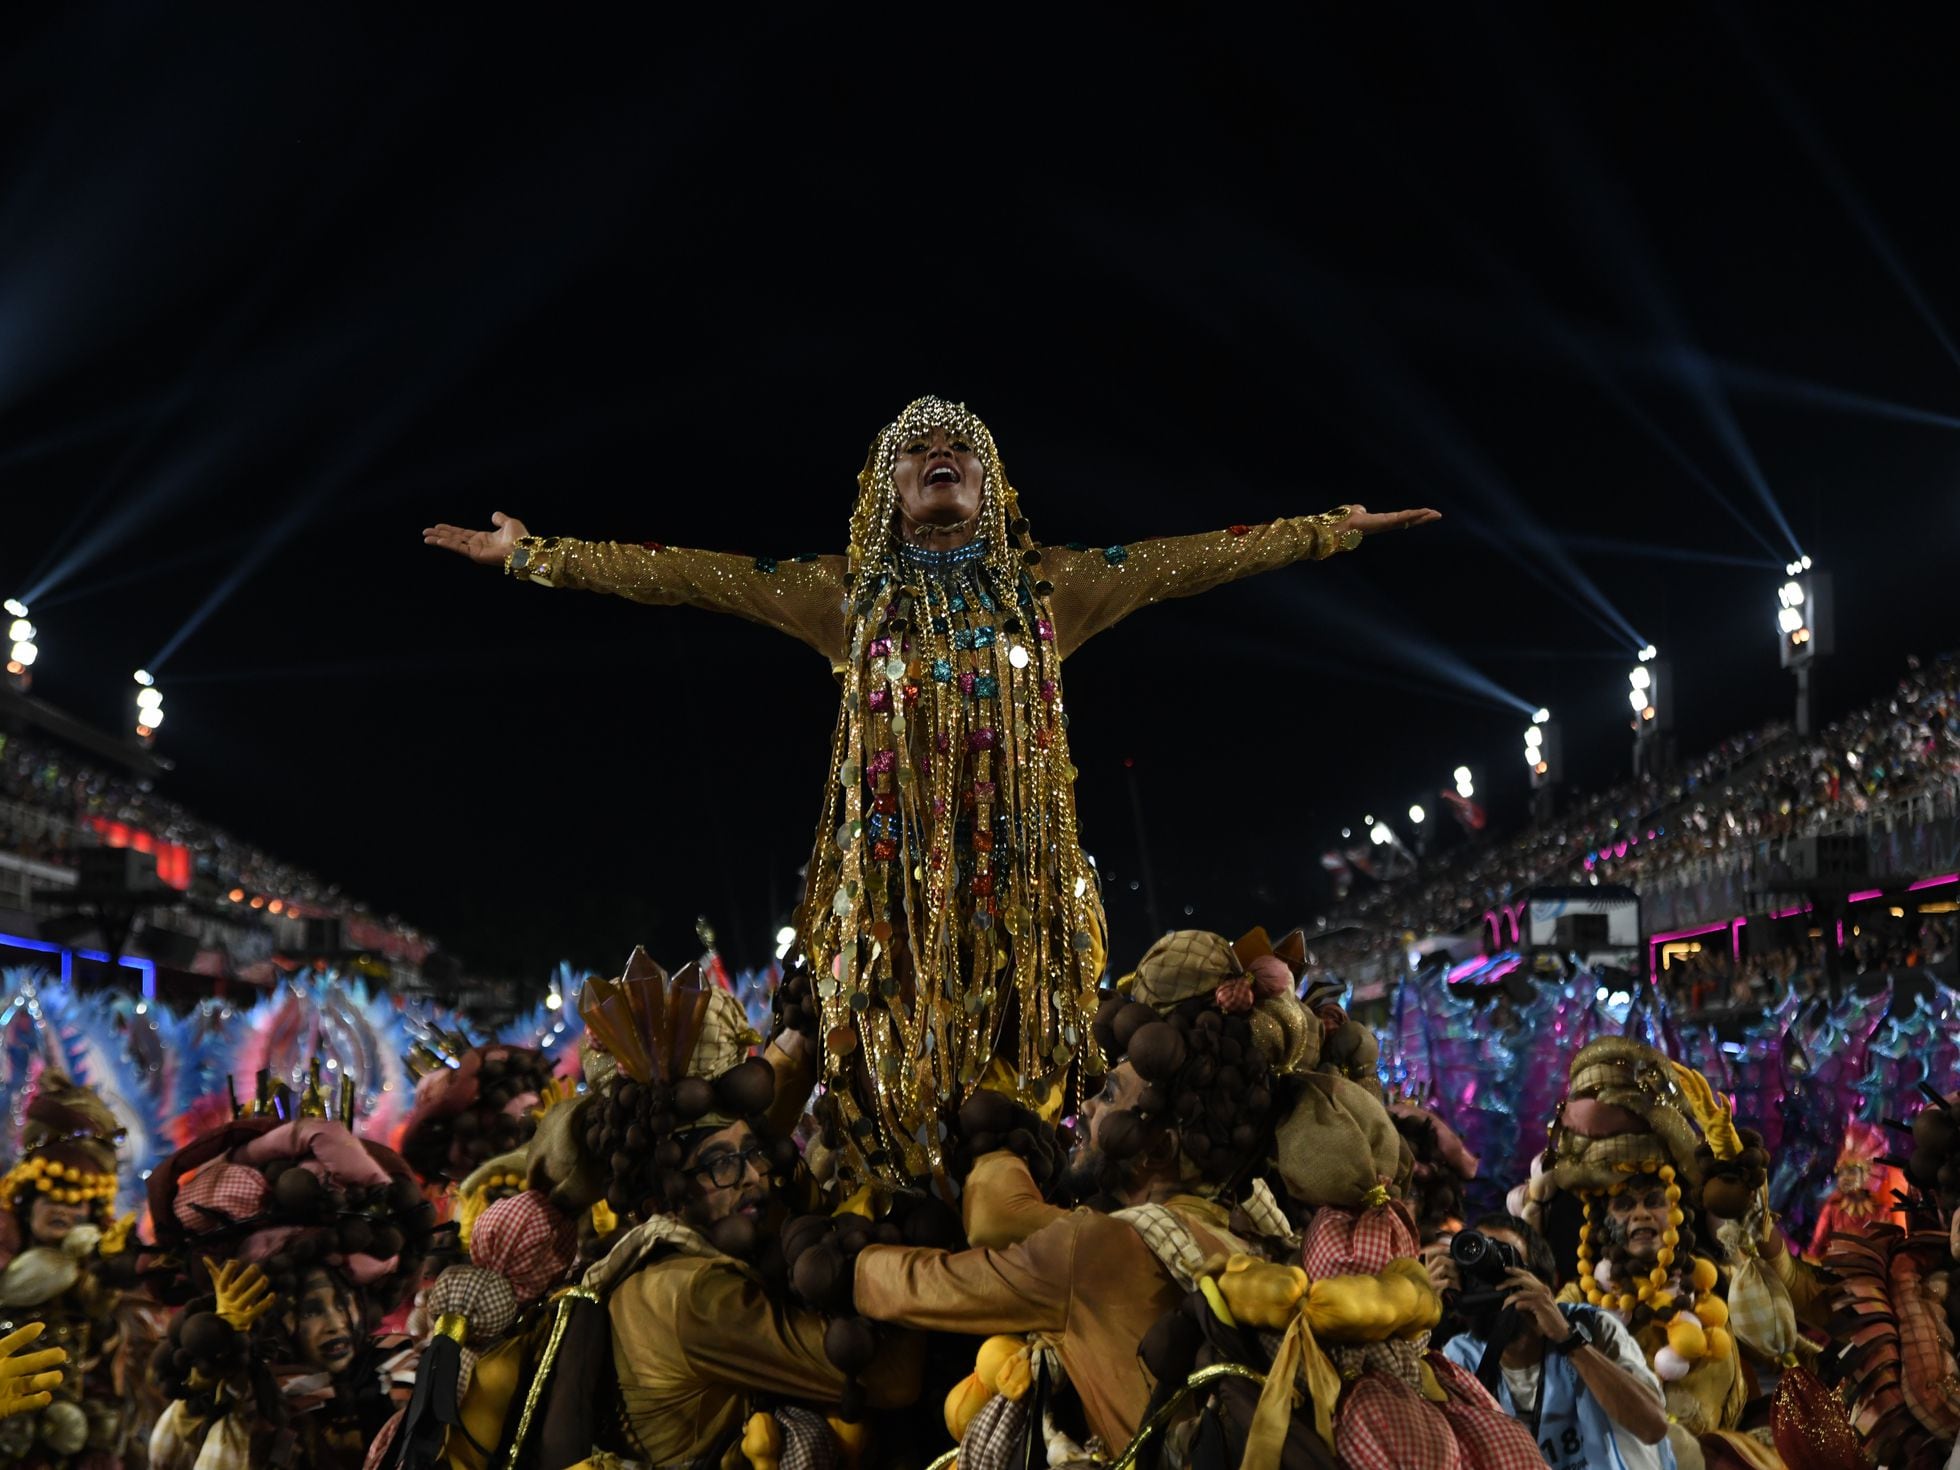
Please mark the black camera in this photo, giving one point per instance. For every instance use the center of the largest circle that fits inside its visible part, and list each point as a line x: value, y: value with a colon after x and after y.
x: 1481, y: 1261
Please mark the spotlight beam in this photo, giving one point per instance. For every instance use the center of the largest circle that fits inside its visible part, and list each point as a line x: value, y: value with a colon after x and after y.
x: 1380, y: 631
x: 322, y: 200
x: 78, y: 592
x: 1613, y: 546
x: 1800, y: 390
x: 1791, y: 110
x: 1317, y: 305
x: 1580, y: 350
x: 1612, y: 230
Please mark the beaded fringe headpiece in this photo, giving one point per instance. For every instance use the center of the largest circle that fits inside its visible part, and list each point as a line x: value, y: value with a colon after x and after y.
x: 950, y: 910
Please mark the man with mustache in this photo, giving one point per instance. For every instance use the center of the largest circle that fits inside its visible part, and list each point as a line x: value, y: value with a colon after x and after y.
x: 949, y: 907
x: 1183, y: 1119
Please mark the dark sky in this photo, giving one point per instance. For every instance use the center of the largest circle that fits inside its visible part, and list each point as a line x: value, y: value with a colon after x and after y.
x: 279, y: 285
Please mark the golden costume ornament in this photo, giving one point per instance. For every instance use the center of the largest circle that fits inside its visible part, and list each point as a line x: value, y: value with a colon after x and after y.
x: 951, y: 921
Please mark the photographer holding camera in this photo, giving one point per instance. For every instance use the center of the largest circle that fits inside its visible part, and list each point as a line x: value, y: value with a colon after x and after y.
x: 1573, y: 1375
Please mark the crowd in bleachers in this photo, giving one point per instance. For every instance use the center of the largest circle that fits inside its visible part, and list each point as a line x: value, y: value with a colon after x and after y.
x: 49, y: 798
x: 1763, y: 785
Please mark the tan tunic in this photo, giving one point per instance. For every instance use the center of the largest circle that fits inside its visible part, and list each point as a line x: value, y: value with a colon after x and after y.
x: 693, y: 1336
x: 1086, y: 1281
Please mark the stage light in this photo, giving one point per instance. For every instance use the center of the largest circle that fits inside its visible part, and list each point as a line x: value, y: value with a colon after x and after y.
x: 149, y: 708
x: 1346, y: 832
x: 1649, y: 654
x: 1462, y: 775
x: 1803, y: 628
x: 1641, y: 679
x: 1417, y: 815
x: 785, y: 937
x: 1543, y: 717
x: 1638, y: 699
x: 1533, y: 736
x: 1380, y: 834
x: 553, y: 1001
x: 23, y: 650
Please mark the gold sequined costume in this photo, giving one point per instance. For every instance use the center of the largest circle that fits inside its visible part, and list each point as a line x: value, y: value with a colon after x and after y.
x: 950, y: 918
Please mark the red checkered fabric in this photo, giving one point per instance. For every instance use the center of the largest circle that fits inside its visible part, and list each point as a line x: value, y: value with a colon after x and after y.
x: 220, y: 1194
x: 1489, y: 1438
x: 1358, y: 1242
x: 1384, y: 1424
x: 527, y: 1241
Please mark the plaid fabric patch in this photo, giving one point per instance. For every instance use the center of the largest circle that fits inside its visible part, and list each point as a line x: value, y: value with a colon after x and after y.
x: 1358, y: 1243
x: 527, y: 1241
x: 1384, y: 1424
x: 1169, y: 1239
x: 1489, y: 1438
x: 220, y: 1194
x: 807, y: 1441
x: 1399, y: 1358
x: 997, y: 1439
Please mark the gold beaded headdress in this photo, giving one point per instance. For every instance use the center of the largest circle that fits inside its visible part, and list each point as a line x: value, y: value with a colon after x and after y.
x: 877, y: 504
x: 948, y: 896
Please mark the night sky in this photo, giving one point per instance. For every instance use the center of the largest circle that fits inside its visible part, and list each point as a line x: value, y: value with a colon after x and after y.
x: 280, y: 285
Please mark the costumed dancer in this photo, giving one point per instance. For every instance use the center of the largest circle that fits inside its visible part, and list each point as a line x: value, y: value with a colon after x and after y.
x: 1175, y: 1138
x: 1863, y: 1189
x: 952, y: 923
x: 291, y: 1238
x: 1655, y: 1160
x: 680, y: 1347
x: 69, y: 1266
x: 1894, y: 1309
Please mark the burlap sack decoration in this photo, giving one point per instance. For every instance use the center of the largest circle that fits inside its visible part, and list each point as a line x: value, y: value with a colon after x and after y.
x: 1338, y: 1145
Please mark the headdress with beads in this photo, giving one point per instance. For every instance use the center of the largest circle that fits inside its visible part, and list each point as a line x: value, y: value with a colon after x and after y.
x: 68, y: 1148
x: 1630, y: 1113
x: 948, y: 837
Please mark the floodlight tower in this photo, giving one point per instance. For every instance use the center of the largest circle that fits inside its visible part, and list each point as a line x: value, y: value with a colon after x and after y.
x: 1544, y: 757
x: 149, y: 707
x: 1651, y: 694
x: 1804, y: 628
x: 22, y: 649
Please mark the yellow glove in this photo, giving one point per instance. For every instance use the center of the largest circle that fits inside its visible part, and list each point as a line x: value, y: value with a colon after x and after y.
x: 27, y: 1380
x: 116, y: 1238
x: 244, y: 1295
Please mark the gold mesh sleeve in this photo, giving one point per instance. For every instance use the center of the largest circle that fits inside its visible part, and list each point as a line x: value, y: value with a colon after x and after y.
x: 1096, y: 589
x: 803, y: 598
